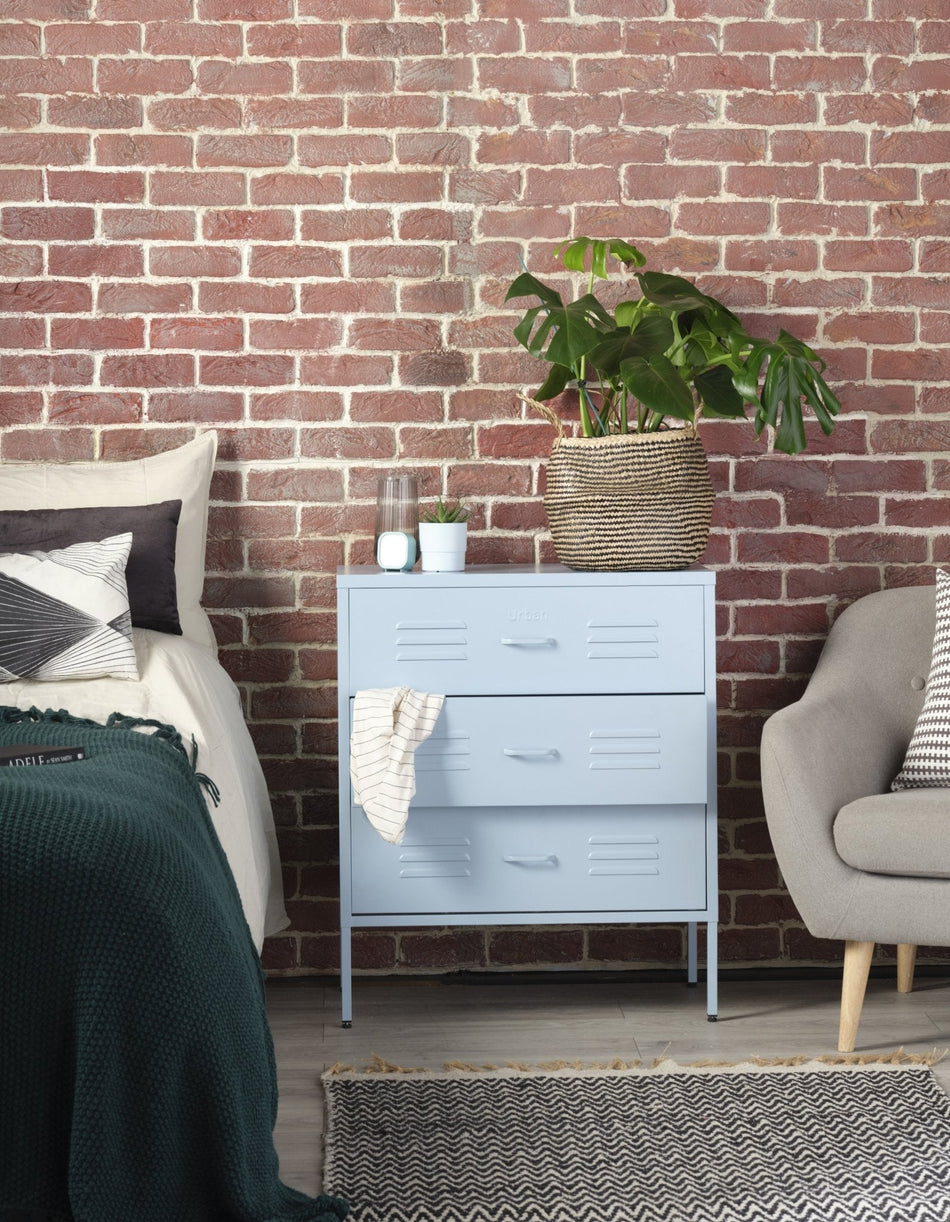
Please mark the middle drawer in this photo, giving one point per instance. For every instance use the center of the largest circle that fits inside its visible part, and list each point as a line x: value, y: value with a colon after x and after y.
x: 564, y: 751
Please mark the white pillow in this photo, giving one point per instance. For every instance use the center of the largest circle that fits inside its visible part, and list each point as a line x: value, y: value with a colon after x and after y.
x: 927, y: 763
x: 64, y: 614
x: 183, y: 474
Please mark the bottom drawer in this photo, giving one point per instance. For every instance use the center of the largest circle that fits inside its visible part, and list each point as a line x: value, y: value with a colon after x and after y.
x: 552, y: 860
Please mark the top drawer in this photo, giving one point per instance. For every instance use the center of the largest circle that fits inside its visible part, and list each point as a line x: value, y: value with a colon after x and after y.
x: 533, y: 640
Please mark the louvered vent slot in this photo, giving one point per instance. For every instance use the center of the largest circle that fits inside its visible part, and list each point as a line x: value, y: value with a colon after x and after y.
x: 431, y: 641
x: 635, y: 638
x: 624, y: 749
x: 447, y: 753
x: 613, y: 855
x: 436, y: 857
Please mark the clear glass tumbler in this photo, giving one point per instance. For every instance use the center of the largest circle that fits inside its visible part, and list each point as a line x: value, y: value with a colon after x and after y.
x: 397, y: 506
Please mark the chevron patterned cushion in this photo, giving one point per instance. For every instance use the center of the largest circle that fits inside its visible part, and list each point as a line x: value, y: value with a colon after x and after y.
x: 927, y: 763
x: 64, y: 614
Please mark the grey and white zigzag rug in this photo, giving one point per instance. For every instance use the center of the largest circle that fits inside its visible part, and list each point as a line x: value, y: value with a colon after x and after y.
x: 811, y: 1143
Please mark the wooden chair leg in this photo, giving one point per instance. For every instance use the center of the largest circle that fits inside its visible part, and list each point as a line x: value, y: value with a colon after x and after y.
x: 857, y: 964
x: 906, y: 959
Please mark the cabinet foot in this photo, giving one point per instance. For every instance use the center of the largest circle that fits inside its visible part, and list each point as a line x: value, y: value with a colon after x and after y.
x: 691, y: 984
x: 347, y: 1022
x: 712, y: 1018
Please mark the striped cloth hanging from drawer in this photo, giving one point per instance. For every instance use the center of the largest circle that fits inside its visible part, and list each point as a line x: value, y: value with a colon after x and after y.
x: 388, y: 724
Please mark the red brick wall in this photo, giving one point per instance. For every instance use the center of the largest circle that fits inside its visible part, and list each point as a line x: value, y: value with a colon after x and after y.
x: 292, y: 220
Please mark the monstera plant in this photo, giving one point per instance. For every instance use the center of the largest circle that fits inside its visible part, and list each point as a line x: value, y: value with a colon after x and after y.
x: 670, y: 352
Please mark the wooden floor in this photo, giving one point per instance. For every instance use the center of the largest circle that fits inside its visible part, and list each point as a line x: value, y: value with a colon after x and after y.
x: 429, y: 1022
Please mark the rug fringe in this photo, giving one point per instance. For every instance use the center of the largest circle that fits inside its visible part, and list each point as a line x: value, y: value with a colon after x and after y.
x: 661, y: 1064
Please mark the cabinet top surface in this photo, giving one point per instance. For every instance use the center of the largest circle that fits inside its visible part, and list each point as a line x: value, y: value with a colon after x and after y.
x: 370, y: 576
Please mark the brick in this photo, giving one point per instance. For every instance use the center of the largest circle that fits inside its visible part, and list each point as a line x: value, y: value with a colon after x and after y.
x: 876, y: 547
x: 346, y: 369
x: 271, y: 225
x: 46, y: 76
x: 192, y: 408
x: 528, y: 74
x: 291, y: 41
x: 293, y: 262
x: 134, y: 297
x: 142, y: 150
x: 484, y: 36
x: 345, y: 150
x: 156, y: 224
x: 244, y: 151
x: 19, y: 113
x: 28, y: 148
x: 19, y: 38
x: 48, y: 445
x: 908, y: 75
x: 197, y: 334
x: 252, y: 369
x: 38, y: 369
x: 262, y: 78
x: 45, y: 297
x: 295, y: 188
x: 200, y: 189
x: 143, y: 77
x: 871, y: 328
x: 97, y: 333
x: 846, y: 148
x: 301, y: 334
x: 725, y: 72
x: 194, y: 261
x: 148, y: 369
x: 366, y: 77
x: 405, y: 186
x: 396, y: 259
x: 907, y: 220
x: 21, y: 261
x: 95, y: 407
x: 244, y: 10
x: 393, y: 40
x: 245, y: 296
x: 130, y: 10
x: 434, y: 369
x: 885, y: 110
x: 435, y: 74
x: 400, y: 110
x: 771, y: 256
x: 191, y: 114
x: 822, y: 219
x: 820, y: 73
x: 193, y: 38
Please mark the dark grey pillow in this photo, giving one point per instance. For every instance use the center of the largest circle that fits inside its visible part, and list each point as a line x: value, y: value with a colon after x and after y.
x: 150, y: 572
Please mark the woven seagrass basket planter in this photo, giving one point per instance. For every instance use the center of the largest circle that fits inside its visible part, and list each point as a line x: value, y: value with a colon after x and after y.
x: 629, y: 501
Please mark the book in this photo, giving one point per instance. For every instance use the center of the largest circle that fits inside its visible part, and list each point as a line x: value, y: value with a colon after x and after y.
x: 21, y: 754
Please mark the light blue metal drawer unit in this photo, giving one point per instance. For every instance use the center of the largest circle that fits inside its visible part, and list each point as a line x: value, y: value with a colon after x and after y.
x: 571, y: 776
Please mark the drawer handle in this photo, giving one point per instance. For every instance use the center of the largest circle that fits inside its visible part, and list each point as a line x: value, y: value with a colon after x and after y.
x: 539, y: 859
x: 531, y: 753
x: 542, y: 642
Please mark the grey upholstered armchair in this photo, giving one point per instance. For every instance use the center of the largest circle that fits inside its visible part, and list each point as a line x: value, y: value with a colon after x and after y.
x: 862, y: 863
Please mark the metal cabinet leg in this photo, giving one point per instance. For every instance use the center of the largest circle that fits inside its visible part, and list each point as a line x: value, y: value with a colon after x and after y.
x: 692, y: 954
x: 346, y: 976
x: 712, y: 971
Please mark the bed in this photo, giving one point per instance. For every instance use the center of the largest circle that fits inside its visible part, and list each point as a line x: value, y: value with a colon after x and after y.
x: 137, y: 1079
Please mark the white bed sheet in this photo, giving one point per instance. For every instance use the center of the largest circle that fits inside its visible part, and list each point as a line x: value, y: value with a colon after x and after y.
x: 183, y: 685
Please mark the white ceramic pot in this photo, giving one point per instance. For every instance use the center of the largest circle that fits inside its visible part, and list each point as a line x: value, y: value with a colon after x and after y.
x: 443, y: 546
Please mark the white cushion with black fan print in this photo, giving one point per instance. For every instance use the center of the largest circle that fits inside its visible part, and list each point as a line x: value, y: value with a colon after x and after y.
x: 64, y: 614
x: 927, y: 763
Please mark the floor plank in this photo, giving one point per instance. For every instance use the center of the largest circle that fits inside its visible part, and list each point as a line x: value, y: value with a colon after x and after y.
x: 429, y: 1022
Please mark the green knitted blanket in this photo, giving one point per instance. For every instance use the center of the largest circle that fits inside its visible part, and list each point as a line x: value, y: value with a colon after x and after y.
x: 137, y: 1076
